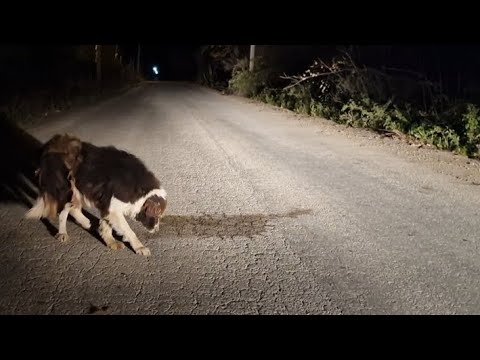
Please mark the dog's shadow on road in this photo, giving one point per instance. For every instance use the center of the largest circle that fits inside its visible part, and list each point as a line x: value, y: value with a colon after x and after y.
x: 19, y: 157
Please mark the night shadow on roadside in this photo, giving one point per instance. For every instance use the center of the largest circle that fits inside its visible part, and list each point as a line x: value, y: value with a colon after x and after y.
x: 19, y: 159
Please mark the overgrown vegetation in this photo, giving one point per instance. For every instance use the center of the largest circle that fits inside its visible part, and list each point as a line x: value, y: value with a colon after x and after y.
x: 38, y: 81
x: 389, y: 100
x: 248, y: 83
x: 218, y: 64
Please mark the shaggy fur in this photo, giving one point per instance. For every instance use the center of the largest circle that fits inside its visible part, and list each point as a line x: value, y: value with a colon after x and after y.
x: 75, y: 174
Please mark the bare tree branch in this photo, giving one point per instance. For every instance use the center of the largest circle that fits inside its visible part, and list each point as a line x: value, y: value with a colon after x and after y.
x: 299, y: 79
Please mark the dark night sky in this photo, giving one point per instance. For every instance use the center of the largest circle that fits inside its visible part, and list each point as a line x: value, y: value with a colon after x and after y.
x: 178, y: 59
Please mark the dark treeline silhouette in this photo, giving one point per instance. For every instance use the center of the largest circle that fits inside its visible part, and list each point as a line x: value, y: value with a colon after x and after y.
x: 39, y: 78
x: 453, y: 66
x: 30, y: 68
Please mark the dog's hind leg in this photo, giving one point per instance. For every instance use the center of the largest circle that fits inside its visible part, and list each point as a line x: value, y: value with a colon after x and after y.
x: 62, y: 223
x: 105, y: 231
x: 121, y: 226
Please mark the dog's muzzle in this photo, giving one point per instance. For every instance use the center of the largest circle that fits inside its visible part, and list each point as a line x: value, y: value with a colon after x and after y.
x: 155, y: 229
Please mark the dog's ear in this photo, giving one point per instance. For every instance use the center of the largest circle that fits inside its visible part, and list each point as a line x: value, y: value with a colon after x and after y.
x: 141, y: 214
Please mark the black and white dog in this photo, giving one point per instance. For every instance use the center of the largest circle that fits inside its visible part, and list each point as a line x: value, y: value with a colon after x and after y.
x: 74, y: 174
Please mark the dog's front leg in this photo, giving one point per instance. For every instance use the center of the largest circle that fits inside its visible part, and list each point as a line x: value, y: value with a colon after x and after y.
x: 120, y: 224
x: 107, y: 236
x: 62, y: 223
x: 80, y: 218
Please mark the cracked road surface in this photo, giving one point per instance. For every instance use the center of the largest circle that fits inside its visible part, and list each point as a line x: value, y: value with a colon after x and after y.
x: 267, y: 215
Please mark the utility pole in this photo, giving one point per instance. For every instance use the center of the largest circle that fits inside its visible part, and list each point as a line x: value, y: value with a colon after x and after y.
x: 138, y: 59
x: 252, y: 57
x: 98, y: 60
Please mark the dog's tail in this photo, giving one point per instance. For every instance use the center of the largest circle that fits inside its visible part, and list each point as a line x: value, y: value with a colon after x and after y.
x: 44, y: 207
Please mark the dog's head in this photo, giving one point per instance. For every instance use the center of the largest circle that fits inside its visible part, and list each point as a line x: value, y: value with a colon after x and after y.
x: 152, y: 212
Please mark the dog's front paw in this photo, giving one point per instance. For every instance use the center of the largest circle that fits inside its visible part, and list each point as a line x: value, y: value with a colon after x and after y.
x: 62, y: 237
x: 143, y: 251
x: 117, y: 245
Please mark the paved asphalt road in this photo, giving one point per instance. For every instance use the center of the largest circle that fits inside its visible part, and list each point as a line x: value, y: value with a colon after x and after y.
x: 267, y: 215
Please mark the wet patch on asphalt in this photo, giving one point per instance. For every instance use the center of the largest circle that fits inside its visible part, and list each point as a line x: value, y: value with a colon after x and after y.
x: 223, y: 225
